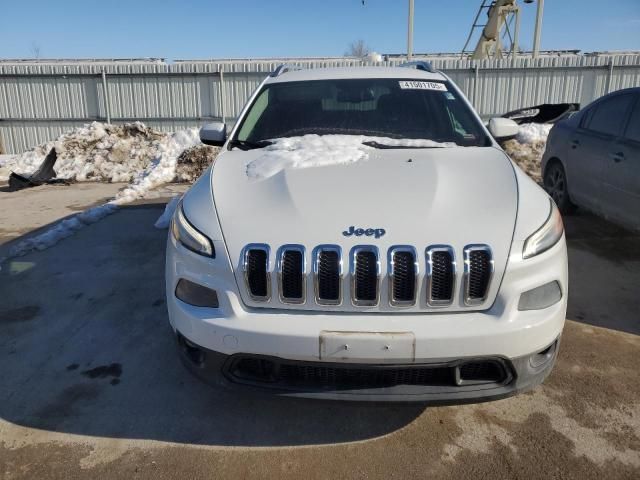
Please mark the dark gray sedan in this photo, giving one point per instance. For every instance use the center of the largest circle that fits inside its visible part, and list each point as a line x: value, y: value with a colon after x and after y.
x: 592, y: 159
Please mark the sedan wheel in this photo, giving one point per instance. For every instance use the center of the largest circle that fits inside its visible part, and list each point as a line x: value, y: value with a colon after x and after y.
x: 555, y: 183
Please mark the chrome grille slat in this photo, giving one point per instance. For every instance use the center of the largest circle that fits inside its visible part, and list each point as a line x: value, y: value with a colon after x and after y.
x: 402, y: 264
x: 291, y: 268
x: 327, y: 274
x: 478, y: 272
x: 365, y: 276
x: 255, y: 264
x: 441, y: 275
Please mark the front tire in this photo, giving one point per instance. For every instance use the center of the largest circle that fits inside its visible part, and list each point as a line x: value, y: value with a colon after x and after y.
x: 556, y: 185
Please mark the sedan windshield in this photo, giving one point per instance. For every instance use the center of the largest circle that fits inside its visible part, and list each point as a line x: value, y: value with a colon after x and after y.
x: 380, y: 108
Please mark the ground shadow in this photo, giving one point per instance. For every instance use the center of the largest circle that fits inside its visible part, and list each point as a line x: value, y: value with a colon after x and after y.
x: 85, y: 348
x: 604, y: 273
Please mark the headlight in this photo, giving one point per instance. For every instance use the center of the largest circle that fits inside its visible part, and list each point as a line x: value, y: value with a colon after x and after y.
x: 188, y: 236
x: 546, y: 236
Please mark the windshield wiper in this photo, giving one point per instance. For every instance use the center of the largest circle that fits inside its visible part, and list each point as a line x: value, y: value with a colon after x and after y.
x: 374, y: 144
x: 248, y: 145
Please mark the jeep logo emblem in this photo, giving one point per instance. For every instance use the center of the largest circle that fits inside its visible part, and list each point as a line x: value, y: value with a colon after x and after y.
x: 369, y: 232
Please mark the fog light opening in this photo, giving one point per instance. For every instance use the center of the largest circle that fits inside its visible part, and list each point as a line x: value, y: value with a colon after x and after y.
x: 542, y: 357
x: 540, y: 297
x: 192, y: 352
x: 254, y: 369
x: 196, y: 295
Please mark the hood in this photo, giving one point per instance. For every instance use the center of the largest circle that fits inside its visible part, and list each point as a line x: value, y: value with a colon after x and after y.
x: 419, y: 197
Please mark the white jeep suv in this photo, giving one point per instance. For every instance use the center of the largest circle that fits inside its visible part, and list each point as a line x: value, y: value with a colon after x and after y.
x: 362, y: 236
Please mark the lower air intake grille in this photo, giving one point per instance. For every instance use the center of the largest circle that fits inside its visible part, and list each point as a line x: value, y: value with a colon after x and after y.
x: 363, y: 377
x: 278, y: 373
x: 328, y: 276
x: 479, y: 264
x: 365, y: 277
x: 256, y: 272
x: 482, y: 371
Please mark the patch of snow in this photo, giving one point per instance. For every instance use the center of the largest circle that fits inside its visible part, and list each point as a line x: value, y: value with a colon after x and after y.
x: 322, y: 150
x: 165, y: 219
x: 528, y: 147
x: 533, y: 132
x: 62, y: 229
x: 5, y: 169
x: 163, y: 167
x: 4, y: 158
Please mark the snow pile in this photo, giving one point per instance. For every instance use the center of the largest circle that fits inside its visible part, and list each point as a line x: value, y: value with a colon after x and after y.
x: 162, y: 168
x: 194, y: 161
x: 109, y: 153
x: 528, y: 146
x: 5, y: 161
x: 165, y: 219
x: 322, y: 150
x: 96, y: 152
x: 533, y: 132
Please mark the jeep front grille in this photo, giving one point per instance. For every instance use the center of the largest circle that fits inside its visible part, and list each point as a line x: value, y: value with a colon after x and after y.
x: 405, y: 286
x: 478, y: 270
x: 365, y: 276
x: 441, y: 275
x: 255, y: 262
x: 403, y: 275
x: 291, y: 273
x: 327, y: 270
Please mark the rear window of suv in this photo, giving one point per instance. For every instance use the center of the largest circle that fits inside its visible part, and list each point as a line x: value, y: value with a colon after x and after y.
x: 392, y: 108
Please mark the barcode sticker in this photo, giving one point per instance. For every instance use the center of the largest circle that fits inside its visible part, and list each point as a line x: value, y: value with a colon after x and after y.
x: 419, y: 85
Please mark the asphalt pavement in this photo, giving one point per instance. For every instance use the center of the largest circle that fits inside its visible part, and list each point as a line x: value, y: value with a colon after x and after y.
x: 91, y: 385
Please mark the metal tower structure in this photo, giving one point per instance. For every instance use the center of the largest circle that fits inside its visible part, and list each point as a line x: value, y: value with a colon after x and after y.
x: 501, y: 15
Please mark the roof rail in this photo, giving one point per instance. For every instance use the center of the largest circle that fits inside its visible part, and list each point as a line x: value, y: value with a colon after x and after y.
x: 419, y: 65
x: 284, y: 68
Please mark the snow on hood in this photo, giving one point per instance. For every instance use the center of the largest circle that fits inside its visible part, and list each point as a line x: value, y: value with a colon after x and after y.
x: 323, y: 150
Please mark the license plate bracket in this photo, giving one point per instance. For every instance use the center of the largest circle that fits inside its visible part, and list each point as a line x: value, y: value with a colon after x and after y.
x: 368, y: 347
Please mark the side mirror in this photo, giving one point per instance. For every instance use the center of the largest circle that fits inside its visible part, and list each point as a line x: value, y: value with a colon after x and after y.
x: 214, y: 134
x: 503, y: 128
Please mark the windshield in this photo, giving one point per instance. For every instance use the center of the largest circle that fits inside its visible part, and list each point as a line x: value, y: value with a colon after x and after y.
x: 386, y: 108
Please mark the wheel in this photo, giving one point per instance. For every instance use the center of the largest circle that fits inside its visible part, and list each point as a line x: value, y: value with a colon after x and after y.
x: 555, y: 183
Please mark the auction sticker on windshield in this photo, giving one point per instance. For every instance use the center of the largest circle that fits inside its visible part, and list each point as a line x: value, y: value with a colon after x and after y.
x: 417, y: 85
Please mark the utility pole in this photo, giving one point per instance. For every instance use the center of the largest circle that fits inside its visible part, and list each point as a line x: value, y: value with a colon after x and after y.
x: 410, y: 32
x: 538, y: 30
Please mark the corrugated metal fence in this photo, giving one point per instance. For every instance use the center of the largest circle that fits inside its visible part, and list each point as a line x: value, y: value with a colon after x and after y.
x: 40, y: 101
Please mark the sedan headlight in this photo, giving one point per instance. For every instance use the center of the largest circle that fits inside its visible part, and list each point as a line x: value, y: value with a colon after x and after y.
x: 546, y: 236
x: 188, y: 236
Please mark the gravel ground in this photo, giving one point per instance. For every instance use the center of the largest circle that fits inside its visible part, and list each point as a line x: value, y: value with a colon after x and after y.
x: 91, y: 387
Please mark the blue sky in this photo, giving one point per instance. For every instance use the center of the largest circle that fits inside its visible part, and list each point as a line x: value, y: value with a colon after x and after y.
x: 192, y: 29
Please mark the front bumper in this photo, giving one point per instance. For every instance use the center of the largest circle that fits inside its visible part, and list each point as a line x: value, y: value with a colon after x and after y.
x: 501, y: 333
x: 440, y: 383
